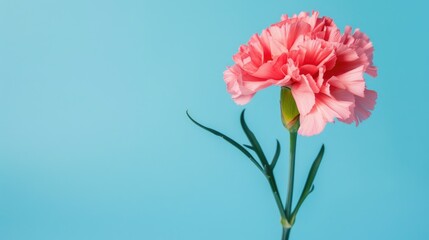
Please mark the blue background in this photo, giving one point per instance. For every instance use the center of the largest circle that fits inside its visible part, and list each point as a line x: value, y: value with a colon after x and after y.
x: 95, y: 143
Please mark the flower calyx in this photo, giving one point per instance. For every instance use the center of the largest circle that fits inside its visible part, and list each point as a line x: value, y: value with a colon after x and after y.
x: 289, y: 110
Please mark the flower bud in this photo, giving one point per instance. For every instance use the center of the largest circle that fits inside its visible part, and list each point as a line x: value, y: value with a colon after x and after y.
x: 289, y: 110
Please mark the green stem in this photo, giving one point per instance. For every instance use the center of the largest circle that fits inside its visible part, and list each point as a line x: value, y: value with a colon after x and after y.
x: 286, y: 233
x: 288, y: 208
x: 273, y: 184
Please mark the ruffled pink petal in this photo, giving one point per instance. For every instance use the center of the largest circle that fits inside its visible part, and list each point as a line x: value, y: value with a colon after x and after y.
x: 361, y: 43
x: 272, y: 69
x: 337, y: 108
x: 295, y: 33
x: 312, y: 52
x: 285, y: 37
x: 312, y: 123
x: 346, y: 54
x: 252, y: 55
x: 243, y: 86
x: 351, y: 81
x: 325, y: 110
x: 363, y: 107
x: 276, y: 37
x: 304, y: 96
x: 233, y: 77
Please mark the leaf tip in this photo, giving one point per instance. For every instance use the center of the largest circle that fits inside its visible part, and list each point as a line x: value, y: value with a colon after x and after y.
x: 189, y: 116
x: 242, y: 115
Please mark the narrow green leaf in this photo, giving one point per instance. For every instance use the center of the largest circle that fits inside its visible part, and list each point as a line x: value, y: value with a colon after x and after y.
x: 311, y: 189
x: 276, y: 156
x: 248, y: 146
x: 308, y: 187
x: 255, y: 144
x: 228, y: 139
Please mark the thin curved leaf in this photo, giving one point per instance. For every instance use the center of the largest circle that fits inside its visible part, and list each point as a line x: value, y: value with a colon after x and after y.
x: 309, y: 187
x: 255, y: 144
x: 249, y: 147
x: 228, y: 139
x: 276, y: 156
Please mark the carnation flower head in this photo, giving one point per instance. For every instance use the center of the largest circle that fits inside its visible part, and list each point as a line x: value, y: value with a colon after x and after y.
x: 323, y: 68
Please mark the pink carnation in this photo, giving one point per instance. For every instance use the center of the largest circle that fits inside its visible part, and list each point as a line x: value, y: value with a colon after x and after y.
x: 323, y: 68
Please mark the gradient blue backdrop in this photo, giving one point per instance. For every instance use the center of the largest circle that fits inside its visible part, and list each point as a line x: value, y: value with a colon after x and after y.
x: 95, y: 144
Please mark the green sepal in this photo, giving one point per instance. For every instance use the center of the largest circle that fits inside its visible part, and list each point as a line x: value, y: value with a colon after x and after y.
x: 289, y: 110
